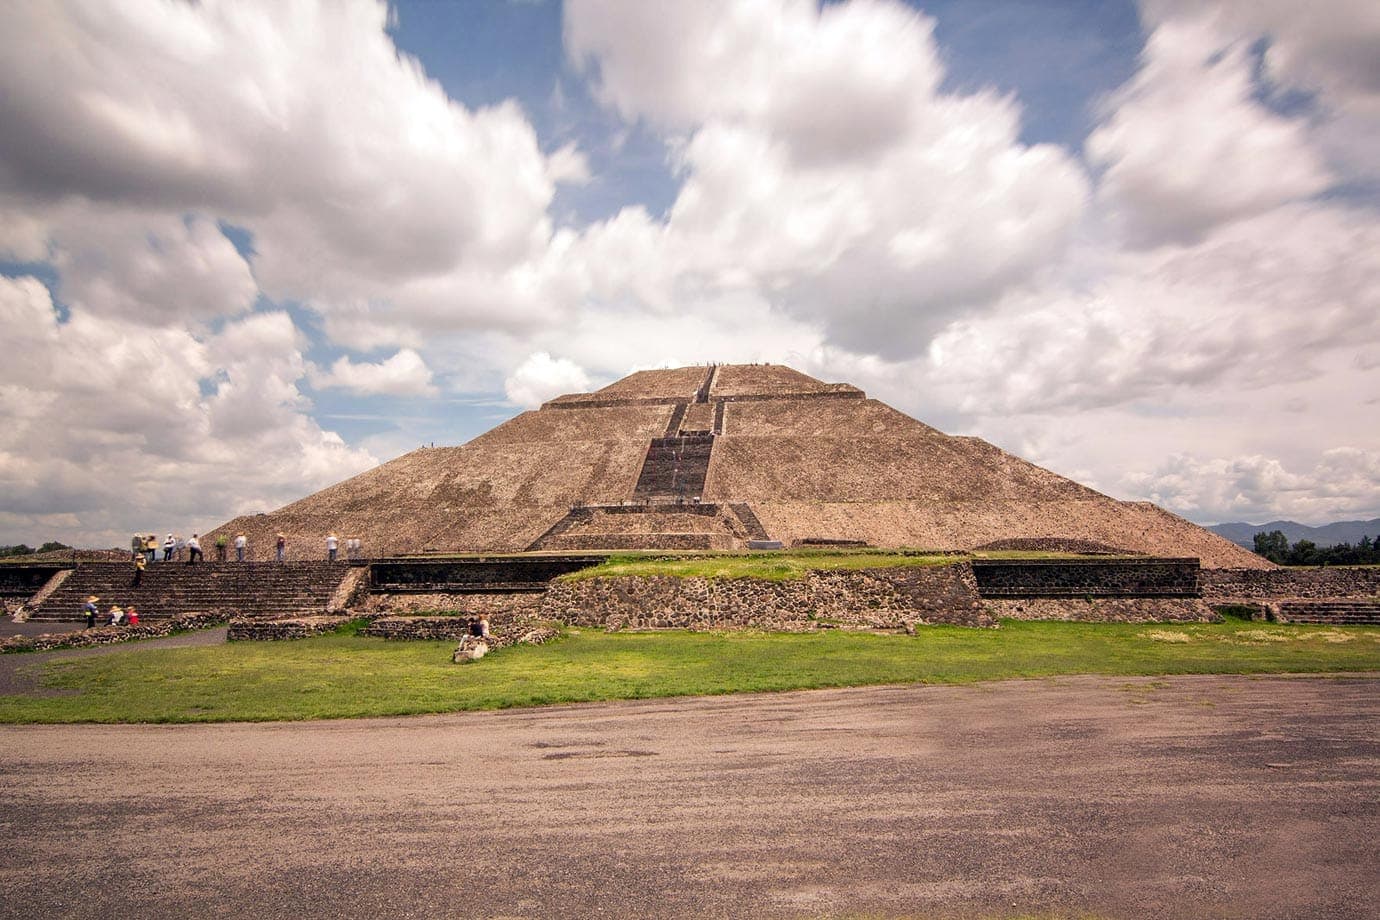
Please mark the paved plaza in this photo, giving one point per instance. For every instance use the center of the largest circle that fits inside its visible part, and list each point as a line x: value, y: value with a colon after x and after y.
x: 1110, y: 797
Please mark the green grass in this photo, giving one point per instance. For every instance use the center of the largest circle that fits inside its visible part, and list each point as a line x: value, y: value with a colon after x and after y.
x: 775, y: 565
x: 342, y: 676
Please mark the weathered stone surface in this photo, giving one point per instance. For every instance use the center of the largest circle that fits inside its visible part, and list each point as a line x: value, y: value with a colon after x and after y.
x: 1231, y: 585
x: 258, y: 630
x: 807, y: 462
x: 885, y: 598
x: 1105, y: 609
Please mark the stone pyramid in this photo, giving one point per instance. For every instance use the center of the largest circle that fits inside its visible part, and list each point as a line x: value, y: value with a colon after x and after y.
x: 715, y: 458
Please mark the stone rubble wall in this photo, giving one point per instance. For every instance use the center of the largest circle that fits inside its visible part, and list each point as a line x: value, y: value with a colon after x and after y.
x: 255, y: 630
x: 1242, y: 585
x: 884, y: 598
x: 421, y: 628
x: 109, y: 635
x: 1105, y: 609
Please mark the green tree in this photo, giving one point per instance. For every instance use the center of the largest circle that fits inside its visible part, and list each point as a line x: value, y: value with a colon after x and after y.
x: 1274, y: 546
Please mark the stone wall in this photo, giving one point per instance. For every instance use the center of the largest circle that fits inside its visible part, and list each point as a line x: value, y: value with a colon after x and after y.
x: 419, y: 628
x: 256, y: 630
x: 1105, y: 609
x: 430, y: 575
x: 885, y: 598
x: 108, y: 635
x: 1232, y: 585
x: 22, y: 579
x: 1148, y: 577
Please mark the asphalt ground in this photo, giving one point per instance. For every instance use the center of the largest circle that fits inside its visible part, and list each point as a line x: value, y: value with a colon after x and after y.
x: 1108, y: 797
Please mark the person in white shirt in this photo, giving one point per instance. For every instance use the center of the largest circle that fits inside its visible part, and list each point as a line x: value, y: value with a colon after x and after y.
x: 240, y: 542
x: 332, y: 544
x: 193, y: 549
x: 169, y: 544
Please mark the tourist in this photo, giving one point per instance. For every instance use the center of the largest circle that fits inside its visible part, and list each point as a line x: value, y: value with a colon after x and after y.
x: 352, y: 545
x: 132, y: 616
x: 116, y: 615
x: 281, y: 547
x: 332, y: 544
x: 169, y: 545
x: 484, y: 625
x: 151, y: 547
x: 139, y: 565
x: 91, y: 611
x: 194, y: 553
x: 473, y: 628
x: 241, y: 541
x: 221, y: 544
x: 136, y: 547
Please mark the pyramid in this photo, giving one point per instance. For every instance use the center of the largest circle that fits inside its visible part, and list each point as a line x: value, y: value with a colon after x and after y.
x: 719, y: 457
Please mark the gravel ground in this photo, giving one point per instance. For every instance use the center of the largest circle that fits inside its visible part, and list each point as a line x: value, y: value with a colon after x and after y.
x: 19, y: 670
x: 1110, y: 797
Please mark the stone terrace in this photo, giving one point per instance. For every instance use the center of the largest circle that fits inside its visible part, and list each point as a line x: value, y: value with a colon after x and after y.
x: 806, y: 462
x: 224, y: 589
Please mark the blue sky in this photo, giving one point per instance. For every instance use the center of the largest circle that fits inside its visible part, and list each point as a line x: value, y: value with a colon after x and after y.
x: 248, y: 249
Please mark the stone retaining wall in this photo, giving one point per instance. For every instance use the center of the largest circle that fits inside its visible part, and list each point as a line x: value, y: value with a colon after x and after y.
x: 1105, y: 609
x: 109, y: 635
x: 419, y: 628
x: 885, y: 598
x: 1146, y: 577
x: 1232, y: 585
x: 256, y: 630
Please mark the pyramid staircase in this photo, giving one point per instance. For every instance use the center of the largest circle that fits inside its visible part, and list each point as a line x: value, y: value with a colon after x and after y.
x: 245, y: 589
x: 675, y: 468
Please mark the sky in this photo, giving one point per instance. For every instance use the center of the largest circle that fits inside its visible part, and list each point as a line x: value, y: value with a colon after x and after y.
x: 249, y: 248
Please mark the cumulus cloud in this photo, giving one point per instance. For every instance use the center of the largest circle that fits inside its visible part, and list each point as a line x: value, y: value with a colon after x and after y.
x: 1189, y: 145
x: 404, y: 374
x: 822, y: 167
x: 1344, y: 482
x: 542, y: 377
x: 357, y: 176
x: 111, y: 424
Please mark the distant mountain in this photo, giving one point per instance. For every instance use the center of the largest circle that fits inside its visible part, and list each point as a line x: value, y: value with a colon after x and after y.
x: 1326, y: 535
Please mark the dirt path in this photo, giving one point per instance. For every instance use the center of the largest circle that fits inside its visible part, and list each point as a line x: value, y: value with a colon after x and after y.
x: 1178, y: 797
x: 19, y: 672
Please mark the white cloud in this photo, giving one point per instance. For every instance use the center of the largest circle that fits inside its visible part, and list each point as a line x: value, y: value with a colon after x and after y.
x: 542, y: 377
x: 111, y: 425
x: 823, y: 170
x: 404, y: 374
x: 1345, y: 482
x: 357, y: 177
x: 1188, y: 146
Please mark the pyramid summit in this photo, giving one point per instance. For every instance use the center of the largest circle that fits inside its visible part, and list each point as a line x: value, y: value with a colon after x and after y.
x: 716, y: 457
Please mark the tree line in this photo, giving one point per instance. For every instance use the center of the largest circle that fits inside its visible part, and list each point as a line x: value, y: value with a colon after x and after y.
x: 1275, y: 547
x: 21, y: 549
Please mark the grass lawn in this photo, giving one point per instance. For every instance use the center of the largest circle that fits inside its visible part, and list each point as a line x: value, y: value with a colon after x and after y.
x: 343, y: 676
x: 774, y: 565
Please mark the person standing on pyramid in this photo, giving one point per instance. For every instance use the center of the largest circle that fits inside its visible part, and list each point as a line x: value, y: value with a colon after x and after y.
x: 332, y: 545
x: 281, y: 547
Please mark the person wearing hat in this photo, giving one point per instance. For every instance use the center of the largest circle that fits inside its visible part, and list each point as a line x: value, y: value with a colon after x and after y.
x: 169, y: 545
x: 139, y: 565
x: 116, y: 615
x: 132, y: 616
x: 91, y: 610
